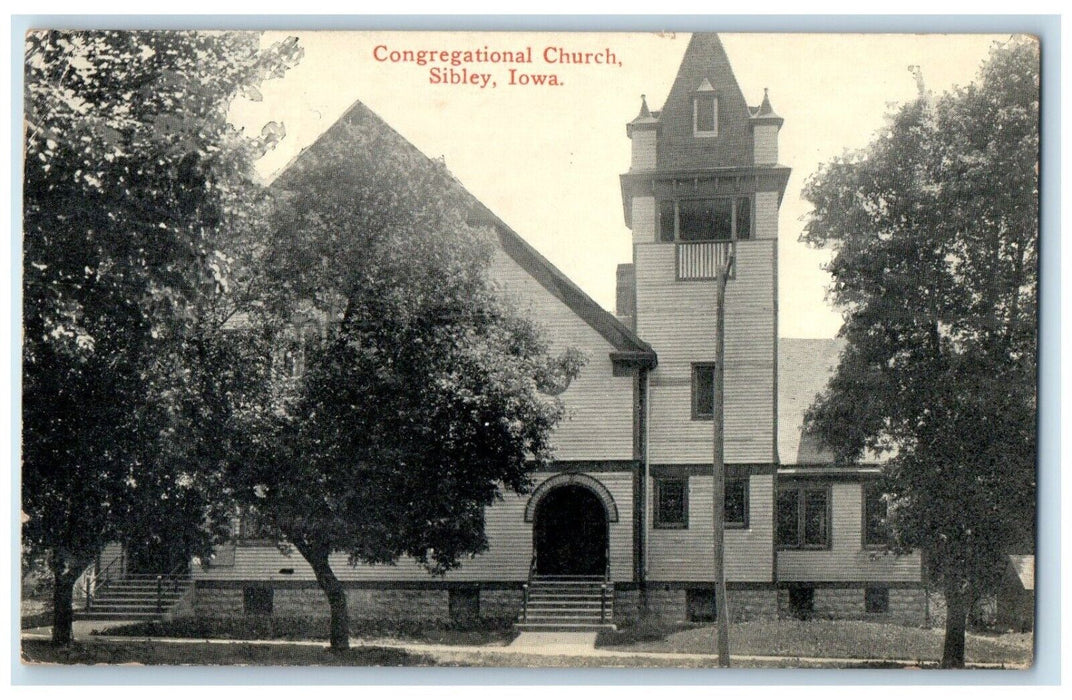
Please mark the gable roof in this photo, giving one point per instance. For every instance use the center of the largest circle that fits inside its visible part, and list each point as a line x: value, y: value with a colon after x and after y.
x: 1023, y: 566
x: 805, y: 365
x: 625, y: 342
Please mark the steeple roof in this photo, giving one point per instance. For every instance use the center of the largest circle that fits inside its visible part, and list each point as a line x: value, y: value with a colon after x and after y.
x: 705, y: 68
x: 764, y: 114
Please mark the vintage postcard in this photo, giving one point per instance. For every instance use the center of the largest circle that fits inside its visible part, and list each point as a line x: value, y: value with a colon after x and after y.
x: 530, y: 349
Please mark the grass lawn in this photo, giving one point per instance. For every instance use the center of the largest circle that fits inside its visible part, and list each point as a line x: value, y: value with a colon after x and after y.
x: 484, y: 631
x: 822, y: 638
x: 160, y: 653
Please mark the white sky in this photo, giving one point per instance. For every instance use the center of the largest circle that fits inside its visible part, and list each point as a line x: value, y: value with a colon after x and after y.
x: 547, y: 159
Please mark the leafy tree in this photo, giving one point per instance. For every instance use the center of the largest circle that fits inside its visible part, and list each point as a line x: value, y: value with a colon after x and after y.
x: 132, y: 179
x: 935, y: 233
x: 420, y: 398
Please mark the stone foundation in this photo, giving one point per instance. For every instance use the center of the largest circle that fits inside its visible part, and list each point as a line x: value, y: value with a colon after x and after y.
x: 626, y: 605
x: 668, y: 603
x: 500, y: 602
x: 905, y: 605
x: 362, y: 603
x: 752, y: 604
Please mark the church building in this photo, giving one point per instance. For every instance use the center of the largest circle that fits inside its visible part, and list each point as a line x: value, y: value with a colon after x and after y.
x: 621, y: 525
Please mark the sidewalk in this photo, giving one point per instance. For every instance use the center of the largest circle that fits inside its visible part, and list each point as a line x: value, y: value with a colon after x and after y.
x: 567, y: 646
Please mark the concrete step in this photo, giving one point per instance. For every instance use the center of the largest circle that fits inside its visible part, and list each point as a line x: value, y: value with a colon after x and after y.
x: 132, y: 616
x: 559, y: 627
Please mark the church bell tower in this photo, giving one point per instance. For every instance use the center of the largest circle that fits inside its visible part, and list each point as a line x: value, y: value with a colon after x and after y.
x: 704, y: 183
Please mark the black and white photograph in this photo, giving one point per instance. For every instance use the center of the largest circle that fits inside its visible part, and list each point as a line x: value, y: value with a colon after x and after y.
x: 629, y: 350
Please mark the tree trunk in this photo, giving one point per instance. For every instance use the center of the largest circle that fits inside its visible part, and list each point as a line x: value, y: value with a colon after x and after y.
x: 63, y: 580
x: 336, y: 595
x: 956, y: 615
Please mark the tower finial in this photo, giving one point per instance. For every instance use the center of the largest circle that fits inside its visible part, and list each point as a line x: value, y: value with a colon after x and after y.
x: 644, y: 111
x: 765, y: 107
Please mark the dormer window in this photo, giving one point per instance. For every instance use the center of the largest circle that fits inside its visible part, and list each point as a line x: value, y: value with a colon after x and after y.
x: 705, y: 111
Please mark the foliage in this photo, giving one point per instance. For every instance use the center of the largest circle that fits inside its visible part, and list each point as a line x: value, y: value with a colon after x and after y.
x: 132, y: 179
x: 420, y: 399
x: 935, y: 234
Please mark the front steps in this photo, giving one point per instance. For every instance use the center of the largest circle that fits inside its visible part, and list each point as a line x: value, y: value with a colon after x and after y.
x: 135, y: 597
x: 567, y: 604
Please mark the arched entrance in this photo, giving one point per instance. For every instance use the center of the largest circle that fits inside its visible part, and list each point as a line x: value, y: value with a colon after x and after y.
x: 570, y: 532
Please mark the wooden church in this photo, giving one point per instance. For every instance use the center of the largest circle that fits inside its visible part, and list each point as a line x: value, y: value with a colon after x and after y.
x: 621, y: 525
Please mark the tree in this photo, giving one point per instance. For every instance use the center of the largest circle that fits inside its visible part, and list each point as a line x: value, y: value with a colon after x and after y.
x: 420, y: 398
x: 132, y: 180
x: 935, y: 233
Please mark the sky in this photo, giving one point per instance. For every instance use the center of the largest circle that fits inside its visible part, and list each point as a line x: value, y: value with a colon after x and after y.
x: 546, y: 158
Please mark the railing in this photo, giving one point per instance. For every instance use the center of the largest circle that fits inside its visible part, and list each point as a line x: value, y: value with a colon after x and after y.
x: 97, y: 581
x: 525, y: 588
x: 603, y: 588
x: 704, y: 260
x: 171, y: 581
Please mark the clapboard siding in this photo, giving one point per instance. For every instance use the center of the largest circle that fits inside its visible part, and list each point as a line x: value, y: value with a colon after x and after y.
x: 688, y: 554
x: 643, y: 154
x: 766, y: 215
x: 507, y: 558
x: 678, y: 319
x: 847, y: 560
x: 643, y: 217
x: 599, y: 406
x: 765, y: 149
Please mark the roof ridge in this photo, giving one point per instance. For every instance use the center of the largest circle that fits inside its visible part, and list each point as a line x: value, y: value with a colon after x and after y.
x: 620, y: 336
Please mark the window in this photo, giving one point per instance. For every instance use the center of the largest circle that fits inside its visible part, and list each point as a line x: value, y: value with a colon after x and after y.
x: 694, y: 220
x: 736, y: 507
x: 801, y: 601
x: 671, y: 503
x: 257, y: 600
x: 876, y: 529
x: 700, y: 604
x: 703, y: 391
x: 877, y: 600
x: 705, y: 115
x: 804, y: 517
x: 705, y: 219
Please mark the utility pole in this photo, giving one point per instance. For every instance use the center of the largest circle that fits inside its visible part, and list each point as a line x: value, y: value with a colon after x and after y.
x: 718, y: 464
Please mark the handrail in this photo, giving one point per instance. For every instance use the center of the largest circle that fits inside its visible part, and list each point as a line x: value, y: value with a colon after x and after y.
x: 525, y: 588
x: 173, y: 578
x: 603, y: 588
x: 97, y: 582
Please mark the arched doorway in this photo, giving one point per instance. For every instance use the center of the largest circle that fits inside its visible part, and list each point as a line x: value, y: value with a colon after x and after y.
x: 570, y: 532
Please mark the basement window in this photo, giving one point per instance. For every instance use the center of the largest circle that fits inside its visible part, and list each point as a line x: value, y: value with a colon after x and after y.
x: 877, y: 601
x: 700, y: 604
x: 257, y: 600
x: 801, y: 601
